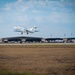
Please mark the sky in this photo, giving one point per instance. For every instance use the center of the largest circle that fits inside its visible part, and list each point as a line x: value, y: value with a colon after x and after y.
x: 54, y: 18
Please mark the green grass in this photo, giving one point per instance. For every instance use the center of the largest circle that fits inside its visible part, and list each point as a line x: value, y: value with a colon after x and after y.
x: 19, y: 73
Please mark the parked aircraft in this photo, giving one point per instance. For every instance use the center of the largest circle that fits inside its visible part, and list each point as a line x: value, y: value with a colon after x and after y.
x: 23, y: 30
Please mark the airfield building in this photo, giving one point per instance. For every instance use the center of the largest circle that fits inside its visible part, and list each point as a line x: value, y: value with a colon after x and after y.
x: 24, y: 39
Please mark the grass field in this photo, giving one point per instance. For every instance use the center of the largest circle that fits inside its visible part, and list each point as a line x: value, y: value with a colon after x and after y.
x: 37, y: 59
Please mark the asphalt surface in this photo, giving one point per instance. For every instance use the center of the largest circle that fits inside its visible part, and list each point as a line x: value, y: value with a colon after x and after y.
x: 37, y: 43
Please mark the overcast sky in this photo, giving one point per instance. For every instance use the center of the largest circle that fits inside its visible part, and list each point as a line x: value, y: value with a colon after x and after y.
x: 52, y: 17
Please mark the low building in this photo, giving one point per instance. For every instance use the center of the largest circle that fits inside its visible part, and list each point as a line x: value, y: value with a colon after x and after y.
x: 22, y: 39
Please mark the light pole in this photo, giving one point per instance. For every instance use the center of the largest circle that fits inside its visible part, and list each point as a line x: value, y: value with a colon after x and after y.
x: 64, y: 35
x: 71, y: 35
x: 51, y: 35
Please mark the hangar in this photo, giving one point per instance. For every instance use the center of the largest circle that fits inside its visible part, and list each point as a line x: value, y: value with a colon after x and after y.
x: 25, y: 39
x: 21, y: 39
x: 54, y: 40
x: 71, y: 40
x: 60, y: 40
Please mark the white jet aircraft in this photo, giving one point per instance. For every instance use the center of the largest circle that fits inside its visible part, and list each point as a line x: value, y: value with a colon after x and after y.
x: 23, y: 30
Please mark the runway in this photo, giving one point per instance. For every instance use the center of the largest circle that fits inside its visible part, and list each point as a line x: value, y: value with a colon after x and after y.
x: 37, y: 43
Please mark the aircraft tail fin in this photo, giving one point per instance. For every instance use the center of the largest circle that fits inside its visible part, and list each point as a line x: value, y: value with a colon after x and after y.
x: 33, y: 28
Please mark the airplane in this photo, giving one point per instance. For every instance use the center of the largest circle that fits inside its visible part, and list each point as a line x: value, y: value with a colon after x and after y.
x: 23, y: 30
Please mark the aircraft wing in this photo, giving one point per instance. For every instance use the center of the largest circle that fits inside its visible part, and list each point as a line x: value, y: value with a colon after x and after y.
x: 28, y: 31
x: 23, y: 30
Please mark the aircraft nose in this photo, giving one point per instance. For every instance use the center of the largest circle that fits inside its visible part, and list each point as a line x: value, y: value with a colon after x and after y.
x: 15, y: 27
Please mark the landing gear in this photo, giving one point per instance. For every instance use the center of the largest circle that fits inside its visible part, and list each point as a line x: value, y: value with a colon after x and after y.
x: 22, y: 33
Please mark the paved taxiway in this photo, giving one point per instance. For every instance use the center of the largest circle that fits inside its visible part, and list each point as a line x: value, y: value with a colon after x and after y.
x: 37, y: 43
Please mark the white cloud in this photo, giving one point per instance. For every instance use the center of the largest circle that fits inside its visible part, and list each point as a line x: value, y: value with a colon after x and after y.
x: 57, y: 10
x: 18, y: 6
x: 39, y: 19
x: 1, y: 18
x: 56, y: 17
x: 22, y: 6
x: 21, y: 18
x: 62, y: 0
x: 37, y: 11
x: 20, y: 0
